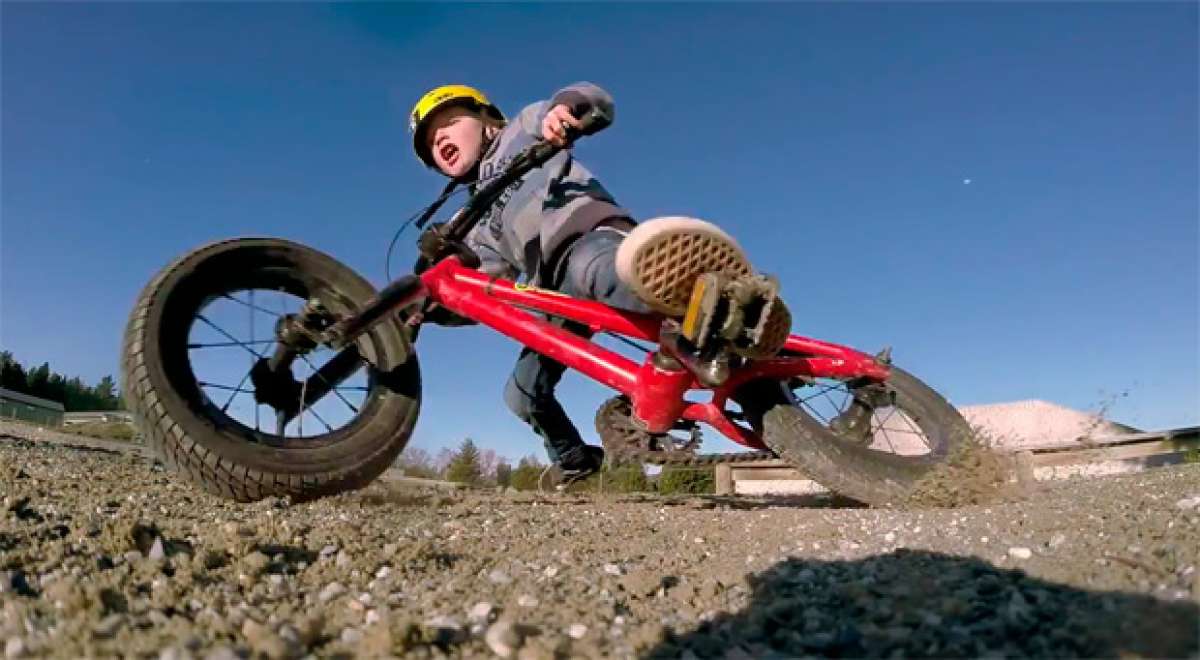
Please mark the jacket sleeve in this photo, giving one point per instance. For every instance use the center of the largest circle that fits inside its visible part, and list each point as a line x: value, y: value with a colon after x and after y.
x: 580, y: 98
x: 491, y: 261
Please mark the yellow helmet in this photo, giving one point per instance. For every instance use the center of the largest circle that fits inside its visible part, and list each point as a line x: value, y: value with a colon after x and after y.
x: 440, y: 97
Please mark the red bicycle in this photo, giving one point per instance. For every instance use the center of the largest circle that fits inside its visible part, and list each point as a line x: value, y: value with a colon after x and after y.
x: 339, y: 359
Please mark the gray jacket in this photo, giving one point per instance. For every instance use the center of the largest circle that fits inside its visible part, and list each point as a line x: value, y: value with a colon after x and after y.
x: 539, y: 215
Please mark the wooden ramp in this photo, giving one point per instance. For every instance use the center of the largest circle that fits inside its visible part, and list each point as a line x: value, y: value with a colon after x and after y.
x: 1108, y: 455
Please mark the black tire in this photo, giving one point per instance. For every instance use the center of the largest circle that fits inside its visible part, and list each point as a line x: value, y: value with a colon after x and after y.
x: 853, y: 469
x: 220, y: 454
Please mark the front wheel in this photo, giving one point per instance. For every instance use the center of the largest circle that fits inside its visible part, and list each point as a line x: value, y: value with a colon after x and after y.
x: 873, y: 445
x: 206, y: 319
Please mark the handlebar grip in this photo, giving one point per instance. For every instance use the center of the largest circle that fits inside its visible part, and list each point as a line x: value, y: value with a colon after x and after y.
x: 595, y: 120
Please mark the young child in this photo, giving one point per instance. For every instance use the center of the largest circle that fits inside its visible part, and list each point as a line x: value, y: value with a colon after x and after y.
x: 563, y: 231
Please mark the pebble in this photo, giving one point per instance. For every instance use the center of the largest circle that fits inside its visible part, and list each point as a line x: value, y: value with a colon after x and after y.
x: 577, y: 631
x: 383, y: 572
x: 525, y: 600
x: 255, y: 562
x: 503, y: 638
x: 550, y: 571
x: 498, y: 576
x: 1056, y: 540
x: 331, y: 591
x: 222, y: 653
x: 15, y: 648
x: 175, y: 653
x: 157, y: 552
x: 373, y: 617
x: 1020, y: 553
x: 481, y: 612
x: 108, y: 626
x: 328, y: 550
x: 889, y: 537
x: 1188, y: 503
x: 612, y: 569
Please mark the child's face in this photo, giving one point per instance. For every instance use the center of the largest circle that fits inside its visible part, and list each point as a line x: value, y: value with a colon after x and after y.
x: 455, y: 139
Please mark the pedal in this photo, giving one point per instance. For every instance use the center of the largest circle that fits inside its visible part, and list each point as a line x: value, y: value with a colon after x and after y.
x: 744, y: 311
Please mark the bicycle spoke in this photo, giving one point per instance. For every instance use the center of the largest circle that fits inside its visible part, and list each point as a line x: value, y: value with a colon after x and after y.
x: 222, y: 387
x: 334, y: 389
x: 815, y: 413
x: 239, y: 387
x: 251, y: 304
x: 228, y: 336
x: 251, y: 296
x: 832, y: 402
x: 823, y: 391
x: 889, y: 442
x: 225, y: 344
x: 313, y: 412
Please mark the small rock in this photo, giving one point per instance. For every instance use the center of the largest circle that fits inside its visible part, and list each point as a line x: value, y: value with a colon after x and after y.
x: 1056, y: 540
x: 157, y: 552
x: 108, y: 626
x: 175, y: 653
x: 1020, y: 553
x: 383, y: 572
x: 15, y: 648
x: 498, y: 576
x: 481, y: 612
x: 372, y: 617
x: 446, y: 630
x: 222, y: 653
x: 612, y: 569
x: 889, y: 537
x: 504, y: 638
x: 356, y: 605
x: 550, y: 571
x: 331, y: 591
x: 525, y: 600
x: 577, y: 631
x: 255, y: 562
x: 328, y: 550
x: 1188, y: 503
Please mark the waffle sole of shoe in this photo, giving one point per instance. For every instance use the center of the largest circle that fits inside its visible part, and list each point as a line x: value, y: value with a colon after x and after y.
x: 661, y: 259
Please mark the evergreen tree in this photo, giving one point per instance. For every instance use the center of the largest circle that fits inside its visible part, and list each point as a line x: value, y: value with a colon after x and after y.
x: 526, y: 476
x: 504, y: 473
x: 39, y: 381
x: 12, y: 374
x: 465, y: 467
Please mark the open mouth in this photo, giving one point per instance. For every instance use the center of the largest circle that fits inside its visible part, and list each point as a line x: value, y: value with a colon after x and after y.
x: 449, y: 153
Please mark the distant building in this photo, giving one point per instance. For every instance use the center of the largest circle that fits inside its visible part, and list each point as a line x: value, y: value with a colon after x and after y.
x: 87, y: 416
x: 1033, y: 422
x: 15, y: 405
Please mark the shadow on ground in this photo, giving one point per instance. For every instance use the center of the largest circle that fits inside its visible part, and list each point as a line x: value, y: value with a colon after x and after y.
x: 925, y: 604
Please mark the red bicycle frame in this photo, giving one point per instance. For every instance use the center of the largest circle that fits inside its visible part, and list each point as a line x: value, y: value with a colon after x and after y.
x: 657, y: 395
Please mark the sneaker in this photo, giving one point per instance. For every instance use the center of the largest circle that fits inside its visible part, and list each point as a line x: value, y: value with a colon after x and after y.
x: 579, y: 463
x: 661, y: 258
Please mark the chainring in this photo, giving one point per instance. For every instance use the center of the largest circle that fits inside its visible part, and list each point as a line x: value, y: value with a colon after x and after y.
x: 624, y: 442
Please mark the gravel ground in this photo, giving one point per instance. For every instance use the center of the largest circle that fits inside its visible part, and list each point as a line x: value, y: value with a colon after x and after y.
x: 103, y: 553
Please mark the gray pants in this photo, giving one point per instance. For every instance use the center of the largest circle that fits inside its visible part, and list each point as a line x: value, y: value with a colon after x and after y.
x: 589, y: 272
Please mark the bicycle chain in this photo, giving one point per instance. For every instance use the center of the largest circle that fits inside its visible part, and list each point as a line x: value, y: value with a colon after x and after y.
x: 624, y: 442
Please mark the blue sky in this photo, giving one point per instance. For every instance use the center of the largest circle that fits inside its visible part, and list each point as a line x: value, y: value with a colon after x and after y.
x: 836, y: 142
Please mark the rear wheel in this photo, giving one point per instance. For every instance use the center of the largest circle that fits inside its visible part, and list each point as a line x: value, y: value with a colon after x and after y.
x: 870, y: 443
x: 206, y: 319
